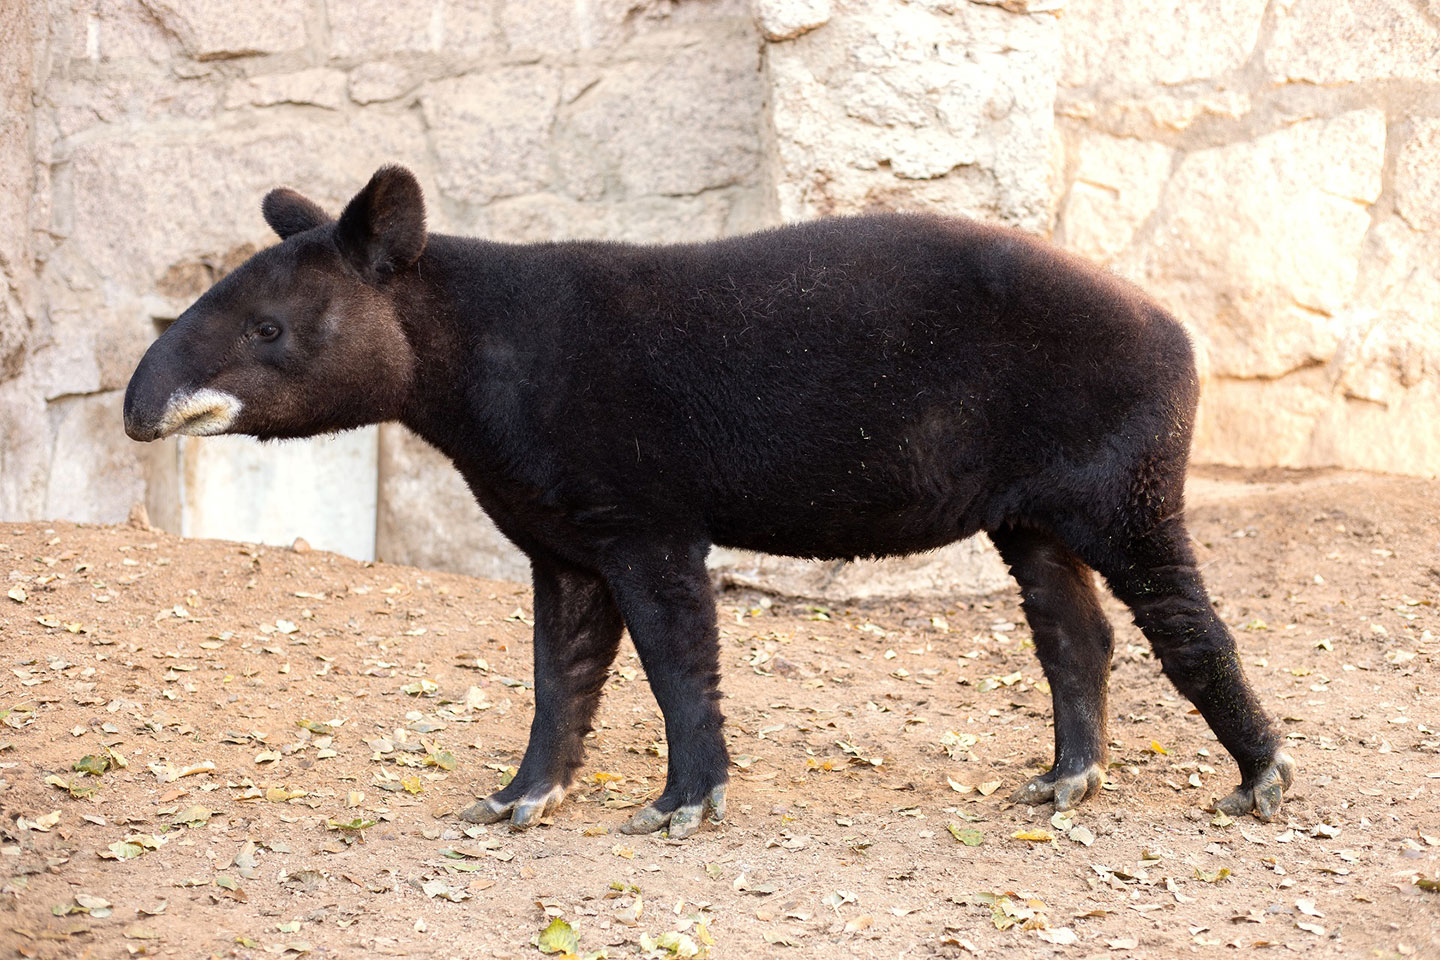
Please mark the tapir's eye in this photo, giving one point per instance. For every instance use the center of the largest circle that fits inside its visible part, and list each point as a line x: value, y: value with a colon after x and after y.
x: 267, y: 331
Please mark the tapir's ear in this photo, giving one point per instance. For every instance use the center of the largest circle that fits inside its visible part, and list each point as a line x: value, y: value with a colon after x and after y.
x: 382, y: 230
x: 288, y: 213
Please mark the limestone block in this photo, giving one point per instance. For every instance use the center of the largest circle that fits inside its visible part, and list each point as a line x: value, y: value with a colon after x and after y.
x: 94, y: 475
x: 969, y: 568
x: 66, y: 360
x: 1258, y: 243
x: 463, y: 29
x: 195, y: 193
x: 318, y: 87
x: 1348, y: 41
x: 903, y: 106
x: 544, y: 26
x: 1417, y: 175
x: 1154, y: 114
x: 611, y: 23
x: 491, y: 131
x: 428, y: 517
x: 25, y: 452
x: 115, y: 30
x: 1117, y: 185
x: 16, y: 172
x: 468, y: 29
x: 218, y: 29
x: 546, y: 217
x: 787, y: 19
x: 322, y: 489
x: 1375, y: 405
x: 85, y: 102
x: 1121, y: 44
x: 378, y: 81
x: 673, y: 126
x: 1307, y: 423
x: 14, y: 327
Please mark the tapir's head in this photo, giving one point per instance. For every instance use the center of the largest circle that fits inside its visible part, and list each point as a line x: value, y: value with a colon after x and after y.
x: 303, y: 338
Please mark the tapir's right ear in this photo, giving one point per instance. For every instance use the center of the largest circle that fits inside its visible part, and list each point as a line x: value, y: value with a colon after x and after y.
x: 382, y: 230
x: 288, y: 213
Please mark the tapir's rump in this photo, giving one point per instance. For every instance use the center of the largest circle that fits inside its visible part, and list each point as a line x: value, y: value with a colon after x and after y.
x: 868, y: 386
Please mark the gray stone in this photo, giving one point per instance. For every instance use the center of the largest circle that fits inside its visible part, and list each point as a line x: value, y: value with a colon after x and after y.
x: 1258, y: 243
x: 117, y: 30
x: 788, y: 19
x: 218, y: 29
x: 674, y: 126
x: 321, y: 488
x: 613, y: 23
x: 25, y: 461
x: 544, y: 217
x: 1117, y: 185
x: 1155, y: 114
x: 491, y: 131
x: 462, y: 29
x: 378, y: 81
x: 94, y: 475
x: 1417, y: 175
x: 904, y: 106
x: 16, y: 172
x: 318, y: 87
x: 544, y: 26
x: 196, y: 193
x: 1349, y: 41
x: 1120, y: 44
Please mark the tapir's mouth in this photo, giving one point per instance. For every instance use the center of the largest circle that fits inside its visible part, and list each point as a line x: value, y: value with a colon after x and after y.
x: 200, y: 413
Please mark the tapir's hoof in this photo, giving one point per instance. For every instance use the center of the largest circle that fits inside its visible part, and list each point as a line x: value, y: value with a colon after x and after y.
x: 684, y: 820
x: 1065, y: 791
x: 1264, y: 796
x: 523, y: 811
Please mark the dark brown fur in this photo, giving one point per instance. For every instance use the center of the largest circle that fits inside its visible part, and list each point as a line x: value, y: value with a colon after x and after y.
x: 857, y: 387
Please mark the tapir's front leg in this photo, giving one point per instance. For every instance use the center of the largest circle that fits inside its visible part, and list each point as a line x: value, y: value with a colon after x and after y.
x: 577, y: 632
x: 668, y: 605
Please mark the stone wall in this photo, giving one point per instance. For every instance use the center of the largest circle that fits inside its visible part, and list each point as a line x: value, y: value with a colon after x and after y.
x: 1270, y: 170
x: 1266, y: 168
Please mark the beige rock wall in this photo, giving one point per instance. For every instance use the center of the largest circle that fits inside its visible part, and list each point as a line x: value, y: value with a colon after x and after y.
x: 1268, y: 171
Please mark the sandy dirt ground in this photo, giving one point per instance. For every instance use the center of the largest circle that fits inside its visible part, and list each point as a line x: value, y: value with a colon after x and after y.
x: 271, y: 746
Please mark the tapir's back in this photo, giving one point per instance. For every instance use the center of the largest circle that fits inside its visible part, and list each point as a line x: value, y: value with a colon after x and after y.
x: 882, y: 373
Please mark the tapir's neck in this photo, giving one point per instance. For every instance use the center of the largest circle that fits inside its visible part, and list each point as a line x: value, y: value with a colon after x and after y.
x: 461, y: 325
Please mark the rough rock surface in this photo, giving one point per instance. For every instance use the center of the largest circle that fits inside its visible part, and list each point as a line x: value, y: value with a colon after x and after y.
x: 787, y: 19
x: 927, y: 105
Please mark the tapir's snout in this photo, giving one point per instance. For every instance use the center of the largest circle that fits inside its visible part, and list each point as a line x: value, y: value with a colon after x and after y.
x: 147, y: 393
x: 161, y: 400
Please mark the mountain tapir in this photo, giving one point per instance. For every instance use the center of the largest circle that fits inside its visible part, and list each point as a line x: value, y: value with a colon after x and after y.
x: 856, y: 387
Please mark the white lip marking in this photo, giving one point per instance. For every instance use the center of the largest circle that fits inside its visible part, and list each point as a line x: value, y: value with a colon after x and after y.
x: 200, y: 413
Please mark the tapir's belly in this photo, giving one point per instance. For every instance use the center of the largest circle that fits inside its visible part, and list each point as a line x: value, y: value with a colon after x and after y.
x: 833, y: 520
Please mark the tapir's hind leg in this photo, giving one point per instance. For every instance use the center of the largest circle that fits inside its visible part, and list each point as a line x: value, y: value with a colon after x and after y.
x: 1073, y: 640
x: 1151, y: 568
x: 577, y: 633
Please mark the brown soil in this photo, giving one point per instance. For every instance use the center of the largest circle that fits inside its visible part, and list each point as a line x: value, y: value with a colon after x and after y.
x: 171, y: 653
